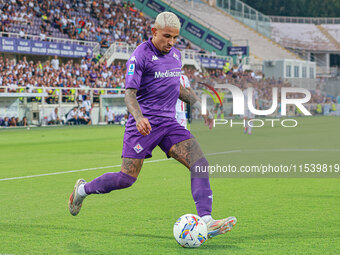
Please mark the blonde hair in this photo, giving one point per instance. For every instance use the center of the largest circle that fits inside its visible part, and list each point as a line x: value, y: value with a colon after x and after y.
x: 167, y: 19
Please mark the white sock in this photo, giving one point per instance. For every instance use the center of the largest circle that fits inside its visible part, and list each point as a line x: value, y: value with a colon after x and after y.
x: 81, y: 190
x: 206, y: 218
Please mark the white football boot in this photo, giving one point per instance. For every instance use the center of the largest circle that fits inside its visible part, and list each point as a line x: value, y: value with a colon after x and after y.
x: 75, y: 202
x: 218, y: 227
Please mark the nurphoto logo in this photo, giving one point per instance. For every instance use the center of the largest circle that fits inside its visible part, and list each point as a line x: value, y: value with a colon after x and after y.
x: 239, y: 105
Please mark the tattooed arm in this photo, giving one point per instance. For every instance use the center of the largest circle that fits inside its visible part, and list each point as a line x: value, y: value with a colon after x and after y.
x: 187, y: 96
x: 132, y: 104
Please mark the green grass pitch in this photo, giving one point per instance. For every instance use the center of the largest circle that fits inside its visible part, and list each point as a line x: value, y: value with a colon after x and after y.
x: 275, y: 215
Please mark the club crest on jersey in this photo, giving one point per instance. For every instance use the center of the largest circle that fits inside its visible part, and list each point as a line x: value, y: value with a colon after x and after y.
x: 131, y: 69
x: 154, y: 58
x: 175, y: 56
x: 138, y: 148
x: 133, y: 58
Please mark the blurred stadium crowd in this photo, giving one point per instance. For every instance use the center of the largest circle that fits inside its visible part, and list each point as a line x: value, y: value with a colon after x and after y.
x: 31, y: 76
x: 53, y: 78
x: 25, y: 76
x: 101, y: 21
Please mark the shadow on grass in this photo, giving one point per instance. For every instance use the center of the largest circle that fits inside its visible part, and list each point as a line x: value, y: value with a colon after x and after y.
x: 219, y: 245
x: 170, y: 243
x: 208, y: 246
x: 10, y: 227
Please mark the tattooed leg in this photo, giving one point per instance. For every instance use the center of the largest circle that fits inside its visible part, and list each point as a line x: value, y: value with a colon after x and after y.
x: 132, y: 166
x: 189, y: 153
x: 118, y: 180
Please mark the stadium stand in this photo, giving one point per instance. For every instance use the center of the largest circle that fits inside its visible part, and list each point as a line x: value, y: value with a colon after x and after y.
x: 104, y: 22
x: 260, y: 46
x: 313, y: 39
x: 334, y: 32
x: 75, y: 81
x: 117, y: 23
x: 101, y: 21
x: 31, y: 76
x: 302, y: 36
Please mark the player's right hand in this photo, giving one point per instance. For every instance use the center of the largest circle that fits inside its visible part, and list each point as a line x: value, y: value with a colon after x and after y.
x: 143, y: 126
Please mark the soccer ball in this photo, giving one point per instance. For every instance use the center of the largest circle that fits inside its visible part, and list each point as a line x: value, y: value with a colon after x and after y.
x: 190, y: 231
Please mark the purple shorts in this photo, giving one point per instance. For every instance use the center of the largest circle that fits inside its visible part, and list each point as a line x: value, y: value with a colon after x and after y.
x: 164, y: 134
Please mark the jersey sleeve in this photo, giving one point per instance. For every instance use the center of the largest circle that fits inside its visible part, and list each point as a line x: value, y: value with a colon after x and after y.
x: 182, y: 81
x: 186, y: 80
x: 134, y: 72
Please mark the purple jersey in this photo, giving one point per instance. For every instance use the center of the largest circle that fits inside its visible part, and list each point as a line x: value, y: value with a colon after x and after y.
x: 157, y: 79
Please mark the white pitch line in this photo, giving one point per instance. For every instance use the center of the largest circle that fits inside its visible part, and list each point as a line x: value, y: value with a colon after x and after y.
x: 223, y: 152
x: 160, y: 160
x: 72, y: 171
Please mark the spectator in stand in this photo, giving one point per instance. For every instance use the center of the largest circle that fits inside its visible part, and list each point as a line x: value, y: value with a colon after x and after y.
x: 239, y: 58
x: 55, y: 63
x: 109, y: 116
x: 42, y: 36
x: 22, y: 34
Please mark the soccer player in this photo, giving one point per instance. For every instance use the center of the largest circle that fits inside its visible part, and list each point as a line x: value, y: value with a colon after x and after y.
x: 219, y: 106
x: 247, y: 113
x: 180, y: 105
x: 152, y: 90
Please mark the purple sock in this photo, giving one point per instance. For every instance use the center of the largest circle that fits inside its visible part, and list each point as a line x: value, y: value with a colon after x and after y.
x: 200, y: 188
x: 108, y: 182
